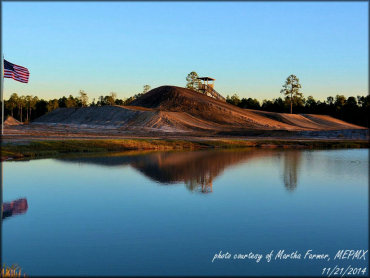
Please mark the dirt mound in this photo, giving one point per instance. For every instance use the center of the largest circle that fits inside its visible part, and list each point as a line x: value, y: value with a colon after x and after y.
x: 215, y: 112
x: 179, y: 110
x: 202, y: 107
x: 104, y: 116
x: 11, y: 121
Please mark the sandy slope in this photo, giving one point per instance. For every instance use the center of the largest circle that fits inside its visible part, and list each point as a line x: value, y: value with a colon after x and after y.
x: 173, y: 109
x: 11, y: 121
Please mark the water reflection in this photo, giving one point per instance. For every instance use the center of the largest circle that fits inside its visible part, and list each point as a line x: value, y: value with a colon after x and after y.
x: 15, y: 207
x: 196, y: 169
x: 203, y: 185
x: 292, y: 161
x: 109, y: 205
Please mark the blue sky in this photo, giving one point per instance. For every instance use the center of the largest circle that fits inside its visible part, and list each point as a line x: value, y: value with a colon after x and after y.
x: 248, y: 47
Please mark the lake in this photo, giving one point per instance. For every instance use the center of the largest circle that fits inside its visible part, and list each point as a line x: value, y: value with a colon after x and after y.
x: 169, y: 213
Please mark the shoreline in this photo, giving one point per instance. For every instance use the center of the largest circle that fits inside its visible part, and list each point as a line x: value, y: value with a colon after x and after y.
x: 38, y: 147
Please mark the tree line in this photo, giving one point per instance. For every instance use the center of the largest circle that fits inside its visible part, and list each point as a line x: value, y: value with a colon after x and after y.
x: 354, y: 110
x: 27, y: 108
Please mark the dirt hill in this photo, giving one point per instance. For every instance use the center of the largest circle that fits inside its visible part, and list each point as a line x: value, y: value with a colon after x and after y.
x: 179, y: 110
x: 11, y: 121
x: 185, y: 101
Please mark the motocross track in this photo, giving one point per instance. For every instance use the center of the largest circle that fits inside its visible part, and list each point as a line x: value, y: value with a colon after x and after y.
x: 170, y: 110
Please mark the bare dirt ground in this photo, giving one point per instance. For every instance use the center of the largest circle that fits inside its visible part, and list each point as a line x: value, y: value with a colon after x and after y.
x: 177, y: 113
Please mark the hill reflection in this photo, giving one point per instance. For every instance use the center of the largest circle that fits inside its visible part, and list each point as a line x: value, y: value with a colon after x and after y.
x: 196, y: 169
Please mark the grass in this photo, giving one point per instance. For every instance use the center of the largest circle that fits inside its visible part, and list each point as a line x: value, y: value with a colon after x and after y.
x: 13, y: 271
x: 51, y: 148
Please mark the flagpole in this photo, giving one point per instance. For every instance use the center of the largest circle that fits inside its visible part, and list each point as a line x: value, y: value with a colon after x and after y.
x: 2, y: 96
x: 2, y: 133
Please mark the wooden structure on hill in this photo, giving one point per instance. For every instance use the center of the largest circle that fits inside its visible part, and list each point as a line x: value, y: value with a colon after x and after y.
x: 206, y: 86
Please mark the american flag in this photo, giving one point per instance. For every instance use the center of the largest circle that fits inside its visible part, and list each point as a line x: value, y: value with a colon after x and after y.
x: 16, y: 72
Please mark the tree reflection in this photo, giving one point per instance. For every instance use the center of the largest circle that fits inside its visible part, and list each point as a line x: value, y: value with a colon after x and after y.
x: 292, y: 161
x: 201, y: 184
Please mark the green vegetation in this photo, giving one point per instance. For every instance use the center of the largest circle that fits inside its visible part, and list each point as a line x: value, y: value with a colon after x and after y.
x: 192, y: 81
x: 28, y: 108
x: 354, y: 110
x: 13, y: 271
x: 291, y: 90
x: 83, y: 98
x: 51, y: 148
x: 146, y: 89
